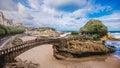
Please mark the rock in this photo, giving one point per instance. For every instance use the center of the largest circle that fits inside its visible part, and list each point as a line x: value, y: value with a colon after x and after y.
x: 110, y: 35
x: 22, y: 64
x: 17, y: 41
x: 76, y: 49
x: 49, y: 33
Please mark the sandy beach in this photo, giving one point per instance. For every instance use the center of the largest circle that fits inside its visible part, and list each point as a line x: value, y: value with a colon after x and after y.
x: 43, y: 55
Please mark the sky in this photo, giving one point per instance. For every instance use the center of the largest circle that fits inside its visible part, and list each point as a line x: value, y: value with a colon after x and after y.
x: 62, y: 14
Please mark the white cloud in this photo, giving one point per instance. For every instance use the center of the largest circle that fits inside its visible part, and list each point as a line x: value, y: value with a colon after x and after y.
x: 56, y: 3
x: 112, y: 21
x: 80, y: 13
x: 44, y: 13
x: 7, y: 5
x: 111, y: 17
x: 35, y: 4
x: 20, y: 15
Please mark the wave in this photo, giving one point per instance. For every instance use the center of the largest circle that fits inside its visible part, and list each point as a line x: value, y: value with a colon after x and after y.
x: 115, y: 33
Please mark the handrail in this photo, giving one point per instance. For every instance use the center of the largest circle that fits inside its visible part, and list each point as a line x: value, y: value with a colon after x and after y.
x: 23, y: 45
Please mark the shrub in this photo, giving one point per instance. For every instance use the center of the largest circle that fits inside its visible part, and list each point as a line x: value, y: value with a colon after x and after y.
x: 74, y: 33
x: 5, y: 29
x: 96, y: 37
x: 2, y: 32
x: 94, y: 27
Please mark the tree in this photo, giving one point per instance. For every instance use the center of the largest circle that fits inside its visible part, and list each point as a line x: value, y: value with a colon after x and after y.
x: 2, y: 32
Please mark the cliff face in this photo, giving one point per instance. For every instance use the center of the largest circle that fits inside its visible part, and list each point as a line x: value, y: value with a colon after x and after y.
x: 76, y: 49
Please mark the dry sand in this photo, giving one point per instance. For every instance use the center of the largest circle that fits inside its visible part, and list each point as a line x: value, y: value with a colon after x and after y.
x: 43, y: 55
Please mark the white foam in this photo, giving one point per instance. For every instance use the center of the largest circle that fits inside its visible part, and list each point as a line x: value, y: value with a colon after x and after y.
x: 116, y: 35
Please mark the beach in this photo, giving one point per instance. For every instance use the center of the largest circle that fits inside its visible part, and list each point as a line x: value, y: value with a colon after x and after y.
x: 43, y: 55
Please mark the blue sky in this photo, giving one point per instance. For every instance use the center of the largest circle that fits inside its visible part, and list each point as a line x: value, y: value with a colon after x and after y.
x: 62, y: 14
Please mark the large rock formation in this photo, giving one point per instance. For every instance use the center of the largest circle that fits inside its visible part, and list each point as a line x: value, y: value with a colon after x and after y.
x: 78, y: 48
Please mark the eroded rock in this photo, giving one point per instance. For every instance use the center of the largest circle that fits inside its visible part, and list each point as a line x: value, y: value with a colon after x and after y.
x: 76, y: 49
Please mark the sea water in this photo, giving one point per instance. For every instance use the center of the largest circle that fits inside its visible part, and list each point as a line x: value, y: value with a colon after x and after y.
x: 116, y: 34
x: 115, y: 44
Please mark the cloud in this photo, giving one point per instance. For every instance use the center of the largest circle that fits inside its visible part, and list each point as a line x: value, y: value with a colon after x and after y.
x: 7, y: 5
x: 48, y: 13
x: 112, y: 20
x: 57, y: 3
x: 35, y: 4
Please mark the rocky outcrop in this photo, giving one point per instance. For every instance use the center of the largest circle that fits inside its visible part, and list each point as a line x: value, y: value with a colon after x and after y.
x: 76, y: 49
x: 109, y: 36
x: 22, y: 64
x: 17, y: 41
x: 49, y: 33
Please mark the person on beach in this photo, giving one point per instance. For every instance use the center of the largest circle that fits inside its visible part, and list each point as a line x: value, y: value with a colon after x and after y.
x: 37, y: 38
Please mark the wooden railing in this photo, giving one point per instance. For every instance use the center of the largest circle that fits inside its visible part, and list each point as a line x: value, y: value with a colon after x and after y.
x: 7, y: 55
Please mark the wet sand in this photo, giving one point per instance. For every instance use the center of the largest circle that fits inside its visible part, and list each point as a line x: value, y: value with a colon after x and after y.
x: 43, y: 55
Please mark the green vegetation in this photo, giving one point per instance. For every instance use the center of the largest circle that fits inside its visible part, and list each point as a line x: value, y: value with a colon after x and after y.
x: 2, y: 32
x: 10, y: 30
x: 96, y: 37
x: 45, y: 28
x: 74, y: 33
x: 94, y: 28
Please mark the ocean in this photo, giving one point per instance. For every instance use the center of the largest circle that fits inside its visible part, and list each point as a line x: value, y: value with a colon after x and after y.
x: 116, y: 44
x: 116, y: 34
